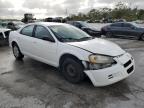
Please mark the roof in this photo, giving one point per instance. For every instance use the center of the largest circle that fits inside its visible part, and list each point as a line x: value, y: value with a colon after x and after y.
x: 48, y: 23
x: 75, y: 21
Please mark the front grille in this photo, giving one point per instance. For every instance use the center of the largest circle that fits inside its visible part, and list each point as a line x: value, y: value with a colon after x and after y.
x: 127, y: 63
x: 130, y: 69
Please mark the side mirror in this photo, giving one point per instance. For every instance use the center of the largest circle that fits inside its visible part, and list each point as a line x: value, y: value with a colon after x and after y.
x: 48, y: 39
x: 83, y: 28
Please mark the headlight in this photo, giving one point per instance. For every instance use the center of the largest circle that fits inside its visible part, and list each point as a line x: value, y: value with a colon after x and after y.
x: 100, y: 61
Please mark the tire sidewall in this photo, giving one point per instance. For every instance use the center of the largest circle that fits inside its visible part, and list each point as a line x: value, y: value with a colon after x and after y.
x: 79, y: 69
x: 20, y: 55
x: 142, y: 37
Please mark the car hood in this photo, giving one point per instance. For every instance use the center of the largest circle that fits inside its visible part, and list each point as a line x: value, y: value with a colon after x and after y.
x: 99, y: 46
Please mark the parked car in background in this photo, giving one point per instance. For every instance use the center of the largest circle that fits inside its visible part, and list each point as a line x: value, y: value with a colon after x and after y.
x: 4, y: 35
x: 73, y: 51
x: 15, y: 25
x: 124, y: 29
x: 4, y: 24
x: 86, y: 27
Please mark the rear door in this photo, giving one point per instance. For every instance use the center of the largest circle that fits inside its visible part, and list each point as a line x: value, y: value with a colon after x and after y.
x: 26, y: 40
x: 116, y: 29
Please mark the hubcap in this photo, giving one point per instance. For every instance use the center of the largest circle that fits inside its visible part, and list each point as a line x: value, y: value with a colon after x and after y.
x: 70, y: 69
x: 16, y: 51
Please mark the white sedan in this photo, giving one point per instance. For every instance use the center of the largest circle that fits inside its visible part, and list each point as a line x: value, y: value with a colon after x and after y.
x: 74, y: 52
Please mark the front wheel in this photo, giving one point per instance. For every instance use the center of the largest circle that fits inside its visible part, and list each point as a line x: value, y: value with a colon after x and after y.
x: 72, y: 70
x: 17, y: 53
x: 142, y: 37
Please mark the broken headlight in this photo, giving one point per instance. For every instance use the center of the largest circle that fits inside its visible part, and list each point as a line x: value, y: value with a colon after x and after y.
x: 100, y: 61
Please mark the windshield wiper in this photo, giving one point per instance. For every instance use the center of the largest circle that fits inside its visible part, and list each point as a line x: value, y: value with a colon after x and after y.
x: 86, y: 38
x: 67, y: 39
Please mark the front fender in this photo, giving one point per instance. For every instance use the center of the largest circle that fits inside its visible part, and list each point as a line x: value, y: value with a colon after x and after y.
x: 81, y: 54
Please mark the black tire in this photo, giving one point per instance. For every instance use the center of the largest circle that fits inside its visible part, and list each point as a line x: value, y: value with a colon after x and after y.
x: 142, y: 37
x: 72, y: 70
x: 109, y: 34
x: 16, y: 52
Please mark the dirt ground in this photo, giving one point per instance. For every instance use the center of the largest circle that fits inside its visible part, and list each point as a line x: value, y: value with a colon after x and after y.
x: 32, y: 84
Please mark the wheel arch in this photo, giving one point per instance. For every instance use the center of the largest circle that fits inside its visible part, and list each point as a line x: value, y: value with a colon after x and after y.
x: 103, y: 31
x: 68, y: 55
x: 13, y: 43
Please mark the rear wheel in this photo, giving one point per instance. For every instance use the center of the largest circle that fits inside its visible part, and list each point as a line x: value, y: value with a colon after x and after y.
x: 17, y: 53
x: 108, y: 34
x: 72, y: 70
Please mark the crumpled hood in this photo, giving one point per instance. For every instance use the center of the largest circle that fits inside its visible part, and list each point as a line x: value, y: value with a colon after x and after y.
x: 4, y: 29
x: 99, y: 46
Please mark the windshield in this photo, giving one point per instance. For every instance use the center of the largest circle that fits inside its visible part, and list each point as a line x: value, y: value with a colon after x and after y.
x: 66, y: 33
x: 84, y: 24
x: 138, y: 25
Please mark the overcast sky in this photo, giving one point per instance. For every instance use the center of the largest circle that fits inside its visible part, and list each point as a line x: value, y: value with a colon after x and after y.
x: 53, y: 8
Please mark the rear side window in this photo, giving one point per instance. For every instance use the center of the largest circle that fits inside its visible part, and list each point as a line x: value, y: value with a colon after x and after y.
x: 127, y: 25
x: 28, y: 30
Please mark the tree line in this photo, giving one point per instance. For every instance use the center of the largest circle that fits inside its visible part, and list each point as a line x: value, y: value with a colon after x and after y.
x: 120, y: 11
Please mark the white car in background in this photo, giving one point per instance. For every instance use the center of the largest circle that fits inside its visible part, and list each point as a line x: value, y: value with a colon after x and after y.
x: 73, y: 51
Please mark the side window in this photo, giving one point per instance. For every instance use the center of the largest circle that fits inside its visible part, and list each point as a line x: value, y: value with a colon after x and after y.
x: 127, y: 25
x: 28, y: 31
x: 117, y: 25
x: 42, y: 32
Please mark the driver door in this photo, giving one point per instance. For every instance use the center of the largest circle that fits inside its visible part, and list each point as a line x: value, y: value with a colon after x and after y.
x: 129, y: 30
x: 45, y: 50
